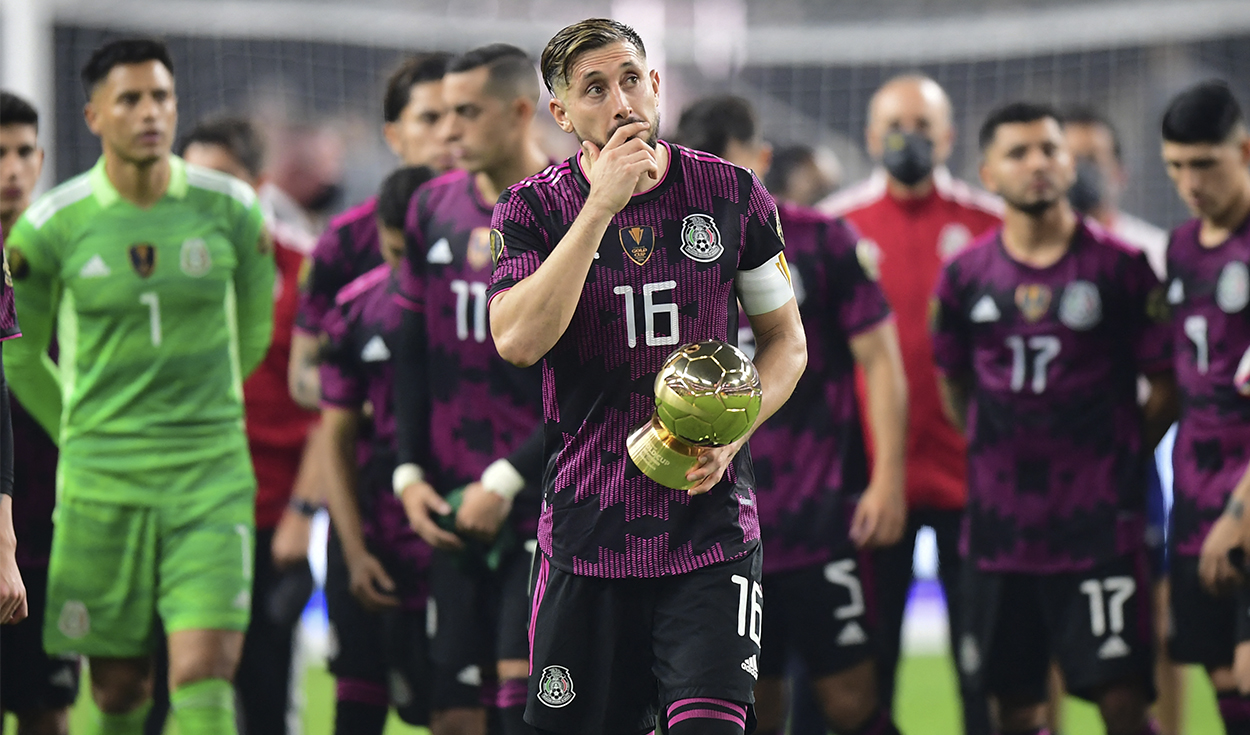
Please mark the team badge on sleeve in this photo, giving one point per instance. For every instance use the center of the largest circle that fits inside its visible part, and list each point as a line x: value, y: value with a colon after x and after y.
x: 15, y: 265
x: 1081, y: 306
x: 638, y: 243
x: 1232, y: 293
x: 555, y: 688
x: 143, y: 258
x: 868, y: 253
x: 700, y: 240
x: 496, y: 245
x: 264, y: 242
x: 1159, y: 303
x: 1033, y: 301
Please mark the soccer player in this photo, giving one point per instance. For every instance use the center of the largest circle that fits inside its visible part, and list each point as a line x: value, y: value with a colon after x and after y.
x: 277, y: 430
x: 481, y: 409
x: 411, y: 110
x: 1041, y: 330
x: 376, y: 576
x: 160, y: 278
x: 913, y: 217
x: 1206, y: 149
x: 817, y: 503
x: 647, y: 599
x: 37, y: 687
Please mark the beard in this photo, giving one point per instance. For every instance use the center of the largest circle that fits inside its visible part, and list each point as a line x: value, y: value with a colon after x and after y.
x: 652, y: 135
x: 1033, y: 208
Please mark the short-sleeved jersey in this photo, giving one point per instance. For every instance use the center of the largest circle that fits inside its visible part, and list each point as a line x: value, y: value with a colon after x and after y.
x: 665, y: 274
x: 909, y: 240
x: 160, y: 313
x: 357, y: 370
x: 481, y: 407
x: 347, y: 249
x: 1209, y: 292
x: 809, y: 456
x: 1056, y: 467
x: 9, y: 328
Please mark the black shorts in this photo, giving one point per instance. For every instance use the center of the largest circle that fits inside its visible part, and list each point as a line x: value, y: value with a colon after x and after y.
x: 30, y: 680
x: 476, y: 619
x: 607, y: 653
x: 1096, y: 624
x: 388, y: 648
x: 821, y: 614
x: 1205, y: 629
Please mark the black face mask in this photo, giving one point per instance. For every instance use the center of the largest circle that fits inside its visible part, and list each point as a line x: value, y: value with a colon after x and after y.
x: 325, y: 198
x: 1086, y: 192
x: 908, y: 157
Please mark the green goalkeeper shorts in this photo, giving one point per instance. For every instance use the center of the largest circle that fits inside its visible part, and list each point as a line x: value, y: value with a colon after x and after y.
x: 115, y: 567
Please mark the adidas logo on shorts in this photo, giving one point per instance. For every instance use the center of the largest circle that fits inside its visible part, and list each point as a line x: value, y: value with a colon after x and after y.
x: 852, y: 635
x: 751, y: 666
x: 1115, y: 647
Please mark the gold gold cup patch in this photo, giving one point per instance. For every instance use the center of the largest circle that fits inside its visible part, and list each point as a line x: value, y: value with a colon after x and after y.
x: 638, y: 243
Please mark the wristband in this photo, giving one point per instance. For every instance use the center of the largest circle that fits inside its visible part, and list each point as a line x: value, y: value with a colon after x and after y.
x: 502, y: 479
x: 406, y: 474
x: 303, y: 507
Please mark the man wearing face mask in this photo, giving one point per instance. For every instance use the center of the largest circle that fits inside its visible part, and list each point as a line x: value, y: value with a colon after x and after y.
x: 913, y: 217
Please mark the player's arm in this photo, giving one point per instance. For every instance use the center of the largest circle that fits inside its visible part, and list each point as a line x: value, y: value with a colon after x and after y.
x: 955, y: 392
x: 1230, y: 532
x: 1161, y: 409
x: 952, y: 349
x: 293, y: 533
x: 882, y: 511
x: 253, y: 288
x: 12, y: 591
x: 527, y: 319
x: 488, y: 502
x: 36, y: 293
x: 303, y: 380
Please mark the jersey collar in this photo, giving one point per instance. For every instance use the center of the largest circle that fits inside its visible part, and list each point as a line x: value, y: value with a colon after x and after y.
x: 107, y: 195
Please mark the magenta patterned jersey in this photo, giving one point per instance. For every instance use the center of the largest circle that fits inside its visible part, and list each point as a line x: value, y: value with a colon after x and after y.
x: 1209, y: 290
x: 347, y: 249
x: 1056, y: 467
x: 8, y: 315
x: 357, y: 370
x: 664, y: 275
x: 809, y: 457
x: 481, y: 407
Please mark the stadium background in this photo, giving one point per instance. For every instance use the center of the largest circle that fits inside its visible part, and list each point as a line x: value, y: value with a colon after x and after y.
x: 810, y: 67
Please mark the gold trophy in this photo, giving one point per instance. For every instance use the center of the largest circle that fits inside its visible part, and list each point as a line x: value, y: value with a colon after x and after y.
x: 707, y: 394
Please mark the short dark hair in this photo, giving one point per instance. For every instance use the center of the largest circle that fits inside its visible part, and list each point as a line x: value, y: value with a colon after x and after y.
x: 1205, y: 113
x: 1013, y: 112
x: 1090, y: 116
x: 572, y: 41
x: 123, y: 51
x: 415, y: 70
x: 787, y: 159
x: 397, y: 191
x: 711, y: 123
x: 16, y: 111
x: 511, y: 70
x: 236, y: 134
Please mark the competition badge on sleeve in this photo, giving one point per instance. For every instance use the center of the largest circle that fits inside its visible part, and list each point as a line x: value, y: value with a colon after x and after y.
x: 707, y: 394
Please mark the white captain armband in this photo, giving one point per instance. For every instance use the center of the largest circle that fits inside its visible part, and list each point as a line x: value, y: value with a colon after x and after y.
x: 763, y: 289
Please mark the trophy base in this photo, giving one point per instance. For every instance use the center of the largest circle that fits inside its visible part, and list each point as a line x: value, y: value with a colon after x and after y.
x: 662, y: 456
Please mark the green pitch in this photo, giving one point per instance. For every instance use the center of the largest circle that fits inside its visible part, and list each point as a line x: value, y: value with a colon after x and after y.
x: 927, y: 705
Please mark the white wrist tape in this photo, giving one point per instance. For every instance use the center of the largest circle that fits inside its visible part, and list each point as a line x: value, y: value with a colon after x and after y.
x: 406, y: 474
x: 502, y: 479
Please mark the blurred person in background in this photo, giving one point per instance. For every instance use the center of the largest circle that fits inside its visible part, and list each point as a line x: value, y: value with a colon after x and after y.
x: 819, y: 509
x: 287, y: 495
x: 376, y: 565
x: 913, y: 217
x: 803, y: 175
x: 34, y: 686
x: 303, y: 180
x: 1206, y: 150
x: 412, y: 108
x: 1100, y: 180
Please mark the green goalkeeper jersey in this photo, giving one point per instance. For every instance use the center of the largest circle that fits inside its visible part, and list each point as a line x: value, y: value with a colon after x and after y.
x: 160, y: 313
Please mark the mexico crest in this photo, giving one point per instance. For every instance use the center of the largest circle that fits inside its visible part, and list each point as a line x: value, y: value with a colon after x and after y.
x: 1081, y: 306
x: 700, y: 240
x: 194, y: 258
x: 143, y: 258
x: 638, y: 243
x: 1232, y: 292
x: 555, y: 688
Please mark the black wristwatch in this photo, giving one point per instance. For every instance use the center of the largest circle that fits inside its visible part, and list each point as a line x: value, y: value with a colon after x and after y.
x: 303, y: 507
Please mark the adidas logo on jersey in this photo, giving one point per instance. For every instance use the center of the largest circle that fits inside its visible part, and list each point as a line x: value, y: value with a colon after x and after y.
x: 751, y: 666
x: 95, y: 268
x: 470, y: 676
x: 375, y: 350
x: 1176, y: 292
x: 985, y: 311
x: 440, y: 253
x: 852, y: 635
x: 1115, y: 647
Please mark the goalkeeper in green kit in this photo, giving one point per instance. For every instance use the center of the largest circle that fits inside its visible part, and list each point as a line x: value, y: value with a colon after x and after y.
x: 159, y: 279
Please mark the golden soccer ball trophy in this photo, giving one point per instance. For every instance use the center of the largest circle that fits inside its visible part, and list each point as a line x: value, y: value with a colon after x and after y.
x: 707, y: 394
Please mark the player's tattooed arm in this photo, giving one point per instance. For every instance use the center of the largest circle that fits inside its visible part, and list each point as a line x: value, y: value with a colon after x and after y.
x: 881, y: 514
x: 1162, y: 407
x: 955, y: 391
x: 780, y: 357
x: 303, y: 378
x: 528, y: 319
